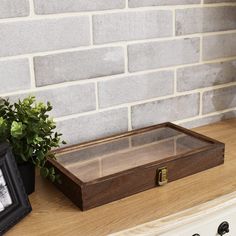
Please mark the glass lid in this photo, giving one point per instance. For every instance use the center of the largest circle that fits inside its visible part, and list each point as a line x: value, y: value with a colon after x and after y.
x: 110, y: 157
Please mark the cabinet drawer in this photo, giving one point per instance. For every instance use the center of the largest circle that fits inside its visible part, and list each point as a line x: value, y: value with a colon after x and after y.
x: 203, y: 220
x: 208, y: 224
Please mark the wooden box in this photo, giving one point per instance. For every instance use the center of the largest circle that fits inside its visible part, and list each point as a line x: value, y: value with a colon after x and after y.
x: 109, y: 169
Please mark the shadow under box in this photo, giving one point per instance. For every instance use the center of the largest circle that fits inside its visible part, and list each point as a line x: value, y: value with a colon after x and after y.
x: 14, y: 203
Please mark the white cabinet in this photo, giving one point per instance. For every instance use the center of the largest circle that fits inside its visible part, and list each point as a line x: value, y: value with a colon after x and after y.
x: 208, y: 224
x: 203, y: 220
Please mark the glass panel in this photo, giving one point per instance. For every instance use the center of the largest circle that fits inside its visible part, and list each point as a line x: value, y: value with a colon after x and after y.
x: 104, y: 159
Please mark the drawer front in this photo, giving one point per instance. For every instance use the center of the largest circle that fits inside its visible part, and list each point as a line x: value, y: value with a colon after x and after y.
x: 203, y: 220
x: 207, y: 225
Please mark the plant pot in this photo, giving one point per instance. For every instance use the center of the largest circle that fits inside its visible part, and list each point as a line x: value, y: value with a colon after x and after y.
x: 27, y: 172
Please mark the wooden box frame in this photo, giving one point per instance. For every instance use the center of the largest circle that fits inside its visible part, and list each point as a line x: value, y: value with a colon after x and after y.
x: 87, y: 195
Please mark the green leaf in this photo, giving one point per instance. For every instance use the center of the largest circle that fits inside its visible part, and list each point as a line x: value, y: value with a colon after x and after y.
x: 23, y: 157
x: 52, y: 171
x: 44, y: 172
x: 3, y: 128
x: 6, y: 103
x: 52, y: 178
x: 40, y: 155
x: 29, y: 129
x: 39, y: 139
x: 16, y: 129
x: 30, y: 151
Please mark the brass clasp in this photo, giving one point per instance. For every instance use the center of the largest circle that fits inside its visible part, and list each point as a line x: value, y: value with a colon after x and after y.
x: 162, y: 176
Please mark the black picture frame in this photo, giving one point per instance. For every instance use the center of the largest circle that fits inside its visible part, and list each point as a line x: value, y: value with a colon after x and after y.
x: 15, y: 193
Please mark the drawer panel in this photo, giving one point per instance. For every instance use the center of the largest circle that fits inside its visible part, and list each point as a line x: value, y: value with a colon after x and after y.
x: 203, y: 219
x: 208, y: 224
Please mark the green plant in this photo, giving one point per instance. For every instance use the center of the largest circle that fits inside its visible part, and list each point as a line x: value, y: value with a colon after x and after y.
x: 27, y: 126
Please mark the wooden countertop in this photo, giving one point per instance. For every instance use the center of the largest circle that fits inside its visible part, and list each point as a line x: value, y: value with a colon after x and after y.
x: 54, y: 214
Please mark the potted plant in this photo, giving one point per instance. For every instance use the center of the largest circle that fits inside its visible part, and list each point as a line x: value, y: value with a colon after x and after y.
x: 28, y: 128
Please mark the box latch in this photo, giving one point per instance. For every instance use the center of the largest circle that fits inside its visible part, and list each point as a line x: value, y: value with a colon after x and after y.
x: 162, y: 176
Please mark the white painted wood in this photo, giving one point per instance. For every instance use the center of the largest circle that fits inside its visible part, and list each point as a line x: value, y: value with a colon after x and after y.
x: 203, y: 219
x: 208, y: 224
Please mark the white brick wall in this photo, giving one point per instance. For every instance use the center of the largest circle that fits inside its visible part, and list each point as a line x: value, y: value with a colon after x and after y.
x: 112, y: 65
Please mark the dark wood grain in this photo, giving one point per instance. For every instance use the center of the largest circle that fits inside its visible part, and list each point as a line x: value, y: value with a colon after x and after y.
x: 115, y: 186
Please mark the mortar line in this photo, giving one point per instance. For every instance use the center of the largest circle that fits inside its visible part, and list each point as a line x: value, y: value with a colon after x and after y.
x: 197, y: 90
x: 31, y: 6
x: 129, y: 118
x: 201, y: 104
x: 34, y: 16
x: 126, y: 59
x: 201, y: 49
x: 220, y: 59
x: 126, y: 4
x: 32, y: 73
x: 175, y: 82
x: 130, y: 104
x: 96, y: 96
x: 116, y: 44
x: 118, y: 76
x: 74, y: 116
x: 91, y: 30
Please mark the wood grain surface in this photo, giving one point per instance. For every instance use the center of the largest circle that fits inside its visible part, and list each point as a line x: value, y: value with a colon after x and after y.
x: 100, y: 179
x: 54, y: 214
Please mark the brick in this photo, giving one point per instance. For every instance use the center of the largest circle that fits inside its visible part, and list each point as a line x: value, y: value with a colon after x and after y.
x: 218, y: 46
x: 206, y: 75
x: 66, y: 100
x: 14, y: 75
x: 78, y: 65
x: 94, y: 126
x: 61, y: 6
x: 131, y: 26
x: 198, y: 20
x: 209, y: 119
x: 42, y: 35
x: 171, y: 109
x: 144, y: 3
x: 134, y: 88
x: 155, y: 55
x: 219, y: 99
x: 14, y: 8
